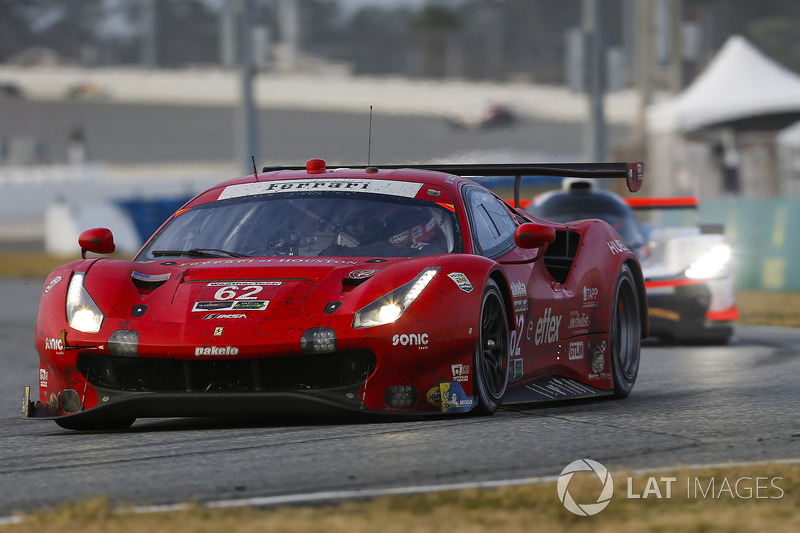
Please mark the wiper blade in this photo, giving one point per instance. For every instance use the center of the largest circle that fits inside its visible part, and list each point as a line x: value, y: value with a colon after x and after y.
x: 198, y: 252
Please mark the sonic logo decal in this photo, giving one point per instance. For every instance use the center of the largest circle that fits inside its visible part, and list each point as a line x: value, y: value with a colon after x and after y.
x: 411, y: 339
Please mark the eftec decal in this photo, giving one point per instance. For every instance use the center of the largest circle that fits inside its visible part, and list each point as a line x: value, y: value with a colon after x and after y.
x: 460, y: 372
x: 216, y: 350
x: 453, y: 398
x: 362, y: 274
x: 616, y: 246
x: 411, y: 339
x: 547, y: 327
x: 51, y: 285
x: 461, y: 280
x: 393, y: 188
x: 576, y: 350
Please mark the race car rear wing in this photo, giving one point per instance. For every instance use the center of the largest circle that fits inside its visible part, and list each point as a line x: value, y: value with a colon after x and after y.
x: 633, y: 173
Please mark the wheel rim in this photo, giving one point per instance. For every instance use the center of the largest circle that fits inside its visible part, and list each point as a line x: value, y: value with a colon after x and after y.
x: 626, y: 330
x: 493, y: 348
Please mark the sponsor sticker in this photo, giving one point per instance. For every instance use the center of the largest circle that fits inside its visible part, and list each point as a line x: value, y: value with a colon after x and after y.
x: 598, y: 357
x: 216, y: 350
x: 460, y: 372
x: 221, y: 316
x: 547, y: 327
x: 576, y: 350
x: 453, y: 398
x: 411, y: 339
x: 461, y: 280
x: 231, y: 305
x: 43, y: 377
x: 578, y: 321
x: 590, y: 295
x: 367, y: 186
x: 363, y: 274
x: 616, y: 246
x: 54, y: 344
x: 518, y: 289
x: 51, y: 285
x: 516, y: 369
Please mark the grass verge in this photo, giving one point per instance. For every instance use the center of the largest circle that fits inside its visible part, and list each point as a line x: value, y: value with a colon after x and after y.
x: 736, y: 499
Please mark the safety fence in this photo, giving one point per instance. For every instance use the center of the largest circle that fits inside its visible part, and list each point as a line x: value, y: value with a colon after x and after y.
x: 766, y: 238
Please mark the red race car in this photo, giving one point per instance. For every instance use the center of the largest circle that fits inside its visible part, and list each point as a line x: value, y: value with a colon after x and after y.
x: 406, y: 290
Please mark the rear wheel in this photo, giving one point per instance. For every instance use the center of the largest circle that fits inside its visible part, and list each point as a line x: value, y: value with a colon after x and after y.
x: 95, y: 425
x: 626, y: 334
x: 490, y: 359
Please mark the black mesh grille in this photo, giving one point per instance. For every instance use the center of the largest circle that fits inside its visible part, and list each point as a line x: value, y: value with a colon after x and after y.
x: 289, y: 373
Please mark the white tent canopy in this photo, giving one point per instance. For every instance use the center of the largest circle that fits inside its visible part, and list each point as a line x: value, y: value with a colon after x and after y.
x: 739, y: 84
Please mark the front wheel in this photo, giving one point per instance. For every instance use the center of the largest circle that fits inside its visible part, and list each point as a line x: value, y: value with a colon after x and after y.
x: 626, y: 334
x: 490, y: 359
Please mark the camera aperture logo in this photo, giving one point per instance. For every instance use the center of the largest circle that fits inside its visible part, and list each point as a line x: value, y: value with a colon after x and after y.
x: 585, y: 509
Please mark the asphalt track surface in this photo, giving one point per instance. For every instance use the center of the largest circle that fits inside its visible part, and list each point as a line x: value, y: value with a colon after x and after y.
x: 691, y: 405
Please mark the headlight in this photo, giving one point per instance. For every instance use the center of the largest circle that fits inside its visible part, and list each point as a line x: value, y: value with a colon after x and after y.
x: 82, y: 313
x: 711, y: 264
x: 390, y: 307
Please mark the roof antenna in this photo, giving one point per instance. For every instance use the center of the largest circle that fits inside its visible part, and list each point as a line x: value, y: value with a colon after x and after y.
x: 370, y: 168
x: 255, y: 170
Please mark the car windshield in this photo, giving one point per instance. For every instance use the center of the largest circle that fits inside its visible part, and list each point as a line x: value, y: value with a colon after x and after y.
x: 309, y: 224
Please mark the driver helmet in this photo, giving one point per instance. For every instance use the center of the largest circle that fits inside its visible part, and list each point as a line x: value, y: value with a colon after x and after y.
x: 410, y: 226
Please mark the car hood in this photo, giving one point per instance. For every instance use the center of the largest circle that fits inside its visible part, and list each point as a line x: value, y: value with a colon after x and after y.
x: 176, y: 291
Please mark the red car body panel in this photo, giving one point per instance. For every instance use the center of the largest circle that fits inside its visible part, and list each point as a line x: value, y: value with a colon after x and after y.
x: 204, y: 323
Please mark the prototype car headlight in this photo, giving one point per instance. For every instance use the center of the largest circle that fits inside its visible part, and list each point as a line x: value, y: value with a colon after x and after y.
x: 711, y: 264
x: 82, y: 313
x: 390, y: 307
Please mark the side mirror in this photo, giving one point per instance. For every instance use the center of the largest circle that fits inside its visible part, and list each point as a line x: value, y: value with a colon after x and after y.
x: 533, y: 235
x: 96, y: 240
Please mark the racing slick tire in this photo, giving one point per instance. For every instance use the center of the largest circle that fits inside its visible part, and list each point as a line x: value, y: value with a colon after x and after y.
x: 626, y: 334
x: 492, y: 352
x: 96, y: 425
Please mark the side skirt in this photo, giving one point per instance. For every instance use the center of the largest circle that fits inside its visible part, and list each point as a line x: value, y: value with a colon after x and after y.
x: 552, y: 388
